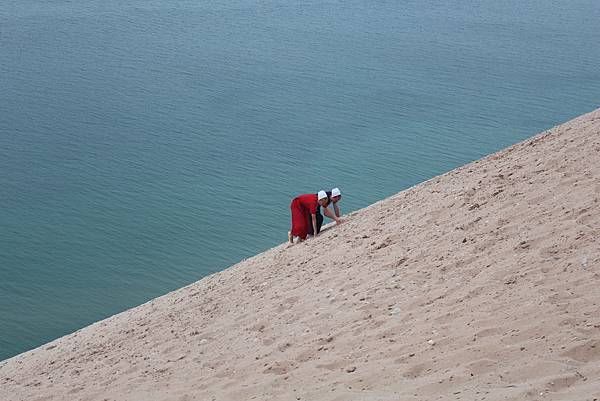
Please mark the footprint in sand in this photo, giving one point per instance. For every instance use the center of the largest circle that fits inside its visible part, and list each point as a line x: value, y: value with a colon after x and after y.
x: 562, y: 382
x: 587, y: 352
x: 333, y: 366
x: 415, y: 371
x: 492, y: 331
x: 287, y: 304
x: 279, y: 368
x: 481, y: 366
x: 591, y: 220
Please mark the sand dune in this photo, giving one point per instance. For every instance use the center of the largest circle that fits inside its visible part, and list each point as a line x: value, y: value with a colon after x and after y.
x: 480, y: 284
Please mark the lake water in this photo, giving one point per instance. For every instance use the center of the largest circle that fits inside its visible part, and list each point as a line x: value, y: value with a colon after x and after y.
x: 147, y: 143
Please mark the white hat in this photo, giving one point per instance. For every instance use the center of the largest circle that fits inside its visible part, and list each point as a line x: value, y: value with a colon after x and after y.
x: 322, y: 195
x: 335, y: 192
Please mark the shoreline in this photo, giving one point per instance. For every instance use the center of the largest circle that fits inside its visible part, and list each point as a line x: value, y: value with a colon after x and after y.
x: 480, y: 282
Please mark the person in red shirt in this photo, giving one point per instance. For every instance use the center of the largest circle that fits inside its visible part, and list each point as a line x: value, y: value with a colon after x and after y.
x: 304, y: 214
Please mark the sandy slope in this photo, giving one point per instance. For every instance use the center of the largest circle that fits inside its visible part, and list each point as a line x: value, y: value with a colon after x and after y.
x: 483, y: 283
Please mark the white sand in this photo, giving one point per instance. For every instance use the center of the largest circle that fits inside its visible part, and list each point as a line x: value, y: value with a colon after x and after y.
x: 480, y: 284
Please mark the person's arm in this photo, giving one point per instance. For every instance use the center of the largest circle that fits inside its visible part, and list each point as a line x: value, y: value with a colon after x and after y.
x: 328, y: 213
x: 314, y: 223
x: 336, y: 208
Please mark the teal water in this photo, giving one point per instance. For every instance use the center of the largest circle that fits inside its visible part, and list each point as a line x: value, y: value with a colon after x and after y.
x: 145, y: 144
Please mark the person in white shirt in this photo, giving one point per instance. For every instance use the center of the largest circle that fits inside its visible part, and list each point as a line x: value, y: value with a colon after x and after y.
x: 333, y: 196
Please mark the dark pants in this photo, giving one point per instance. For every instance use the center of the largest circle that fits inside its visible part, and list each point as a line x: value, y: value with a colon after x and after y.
x: 320, y: 219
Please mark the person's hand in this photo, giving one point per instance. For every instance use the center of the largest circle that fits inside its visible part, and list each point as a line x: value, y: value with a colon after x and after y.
x: 338, y: 221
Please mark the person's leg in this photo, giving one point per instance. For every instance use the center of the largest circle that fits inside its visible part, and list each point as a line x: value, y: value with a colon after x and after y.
x: 296, y: 216
x: 298, y: 221
x: 309, y: 226
x: 319, y: 222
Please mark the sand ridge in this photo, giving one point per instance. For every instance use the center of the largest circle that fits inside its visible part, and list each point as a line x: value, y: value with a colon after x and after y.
x: 479, y: 284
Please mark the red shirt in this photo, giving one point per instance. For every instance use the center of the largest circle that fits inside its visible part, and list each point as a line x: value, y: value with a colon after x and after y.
x: 309, y: 202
